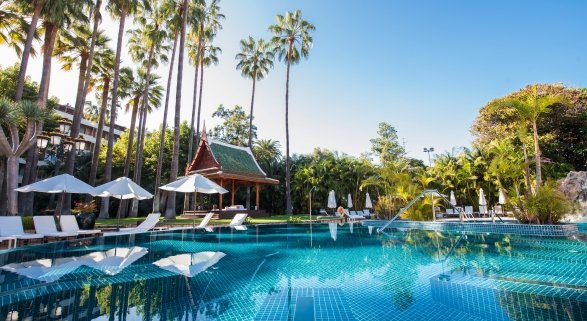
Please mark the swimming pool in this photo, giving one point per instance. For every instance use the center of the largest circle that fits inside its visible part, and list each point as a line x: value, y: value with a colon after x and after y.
x: 298, y: 272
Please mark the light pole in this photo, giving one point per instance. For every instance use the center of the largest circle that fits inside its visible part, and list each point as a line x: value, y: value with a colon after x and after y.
x: 430, y: 150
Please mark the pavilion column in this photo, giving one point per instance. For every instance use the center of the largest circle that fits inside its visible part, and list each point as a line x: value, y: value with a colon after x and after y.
x: 257, y: 190
x: 232, y: 194
x: 220, y: 196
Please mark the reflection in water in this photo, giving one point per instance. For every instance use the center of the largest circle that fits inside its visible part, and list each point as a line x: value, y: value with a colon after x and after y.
x: 405, y: 275
x: 190, y: 264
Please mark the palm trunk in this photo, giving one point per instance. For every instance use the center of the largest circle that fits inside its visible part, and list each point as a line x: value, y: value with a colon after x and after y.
x: 26, y: 52
x: 537, y: 157
x: 200, y: 101
x: 99, y: 133
x: 12, y: 183
x: 131, y: 136
x: 30, y: 173
x: 74, y: 131
x: 527, y: 172
x: 157, y: 199
x: 170, y: 210
x: 108, y: 170
x: 251, y: 115
x: 288, y: 207
x: 2, y: 186
x: 194, y: 107
x: 139, y: 161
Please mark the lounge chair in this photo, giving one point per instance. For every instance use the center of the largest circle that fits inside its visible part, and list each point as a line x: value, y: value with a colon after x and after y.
x: 366, y: 213
x: 352, y: 216
x: 68, y: 223
x: 205, y: 221
x: 468, y: 211
x: 238, y: 220
x: 148, y: 224
x: 10, y: 240
x: 324, y: 212
x: 483, y: 210
x: 11, y: 227
x: 46, y: 226
x: 498, y: 210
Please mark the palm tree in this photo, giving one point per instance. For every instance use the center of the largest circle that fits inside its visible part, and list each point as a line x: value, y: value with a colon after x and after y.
x: 173, y: 25
x: 207, y: 19
x: 73, y: 49
x: 121, y: 9
x: 28, y: 50
x: 12, y: 27
x: 208, y: 56
x: 91, y: 112
x: 11, y: 115
x: 254, y: 61
x: 292, y: 41
x: 170, y: 208
x: 530, y: 107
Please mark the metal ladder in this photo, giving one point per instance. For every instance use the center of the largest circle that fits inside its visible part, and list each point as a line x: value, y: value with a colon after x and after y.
x: 404, y: 209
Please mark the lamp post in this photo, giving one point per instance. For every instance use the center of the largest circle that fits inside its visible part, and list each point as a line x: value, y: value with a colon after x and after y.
x: 56, y: 145
x: 429, y: 150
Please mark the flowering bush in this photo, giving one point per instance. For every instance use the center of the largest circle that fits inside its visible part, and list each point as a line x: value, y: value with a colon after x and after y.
x: 80, y: 207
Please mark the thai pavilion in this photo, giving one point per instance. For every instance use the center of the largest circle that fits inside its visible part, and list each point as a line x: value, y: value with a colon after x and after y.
x: 231, y: 167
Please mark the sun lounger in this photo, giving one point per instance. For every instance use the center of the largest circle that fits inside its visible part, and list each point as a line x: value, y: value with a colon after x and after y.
x: 11, y: 226
x: 68, y: 223
x: 148, y: 224
x: 238, y: 220
x: 498, y: 210
x: 352, y: 216
x: 46, y: 225
x: 366, y: 213
x: 468, y: 211
x: 205, y: 221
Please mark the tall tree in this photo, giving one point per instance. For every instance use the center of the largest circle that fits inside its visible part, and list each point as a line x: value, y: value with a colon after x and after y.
x: 529, y: 108
x: 254, y: 62
x: 120, y: 9
x: 28, y: 50
x: 173, y: 25
x: 11, y: 115
x: 292, y: 41
x: 12, y: 27
x: 208, y: 22
x: 174, y: 168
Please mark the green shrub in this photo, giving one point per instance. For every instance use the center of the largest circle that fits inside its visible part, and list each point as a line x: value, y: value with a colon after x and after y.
x: 548, y: 206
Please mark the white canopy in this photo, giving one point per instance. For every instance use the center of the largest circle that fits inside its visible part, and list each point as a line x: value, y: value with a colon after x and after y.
x: 122, y: 188
x: 368, y: 203
x: 190, y: 264
x: 114, y: 260
x: 502, y: 199
x: 331, y: 199
x: 453, y: 199
x: 63, y: 183
x: 194, y: 183
x: 349, y: 201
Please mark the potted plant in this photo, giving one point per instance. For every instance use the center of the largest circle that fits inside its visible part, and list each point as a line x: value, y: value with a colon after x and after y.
x: 85, y: 215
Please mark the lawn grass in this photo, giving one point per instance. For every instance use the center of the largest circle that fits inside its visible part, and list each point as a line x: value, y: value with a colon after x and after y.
x: 133, y: 221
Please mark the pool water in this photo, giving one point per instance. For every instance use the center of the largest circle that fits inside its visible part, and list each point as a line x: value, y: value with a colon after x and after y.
x: 298, y: 272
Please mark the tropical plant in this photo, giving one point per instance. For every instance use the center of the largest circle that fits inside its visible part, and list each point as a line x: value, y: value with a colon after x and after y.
x: 11, y: 115
x: 174, y: 166
x: 12, y: 27
x: 233, y: 129
x: 547, y: 206
x: 292, y: 41
x: 530, y: 107
x: 121, y: 9
x: 173, y: 24
x: 254, y: 61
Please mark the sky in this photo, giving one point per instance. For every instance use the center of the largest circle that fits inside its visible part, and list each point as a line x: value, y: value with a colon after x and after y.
x: 425, y: 67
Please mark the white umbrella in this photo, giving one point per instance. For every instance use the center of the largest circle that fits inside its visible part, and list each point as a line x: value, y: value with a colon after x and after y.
x: 349, y: 201
x: 333, y: 227
x: 331, y: 199
x: 122, y: 188
x: 63, y: 183
x: 501, y: 199
x: 190, y: 264
x: 368, y: 203
x: 453, y: 199
x: 194, y: 183
x: 482, y: 200
x: 115, y: 260
x: 46, y: 270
